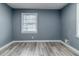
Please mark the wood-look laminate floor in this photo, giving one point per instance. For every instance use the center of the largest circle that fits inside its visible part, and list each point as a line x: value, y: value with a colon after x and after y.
x: 36, y: 49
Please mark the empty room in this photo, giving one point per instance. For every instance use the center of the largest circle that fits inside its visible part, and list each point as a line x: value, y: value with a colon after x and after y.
x: 39, y: 29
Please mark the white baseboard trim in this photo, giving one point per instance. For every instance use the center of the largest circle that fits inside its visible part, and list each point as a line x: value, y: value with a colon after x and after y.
x: 71, y: 48
x: 6, y: 45
x: 38, y: 41
x: 3, y: 47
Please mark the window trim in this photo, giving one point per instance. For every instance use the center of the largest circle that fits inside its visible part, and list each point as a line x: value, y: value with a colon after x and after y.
x: 77, y: 21
x: 22, y: 15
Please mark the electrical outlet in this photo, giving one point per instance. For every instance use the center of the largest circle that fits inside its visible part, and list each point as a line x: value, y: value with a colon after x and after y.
x: 66, y: 41
x: 32, y: 37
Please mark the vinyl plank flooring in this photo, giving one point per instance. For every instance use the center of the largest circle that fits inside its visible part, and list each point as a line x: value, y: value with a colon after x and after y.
x: 36, y: 49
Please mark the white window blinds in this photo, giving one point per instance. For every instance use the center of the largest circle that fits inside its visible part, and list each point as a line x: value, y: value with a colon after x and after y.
x: 29, y: 23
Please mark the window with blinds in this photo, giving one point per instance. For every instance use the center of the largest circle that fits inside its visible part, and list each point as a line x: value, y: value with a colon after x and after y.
x: 29, y: 23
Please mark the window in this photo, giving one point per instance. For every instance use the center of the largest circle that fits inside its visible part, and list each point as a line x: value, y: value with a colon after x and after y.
x: 77, y: 26
x: 29, y: 23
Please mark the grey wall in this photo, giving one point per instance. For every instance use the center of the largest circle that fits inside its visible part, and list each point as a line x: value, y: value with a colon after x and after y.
x: 69, y: 25
x: 5, y: 24
x: 49, y: 27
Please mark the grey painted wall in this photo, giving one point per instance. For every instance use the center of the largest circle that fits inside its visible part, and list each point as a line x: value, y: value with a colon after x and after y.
x: 5, y: 24
x: 69, y: 25
x: 49, y: 27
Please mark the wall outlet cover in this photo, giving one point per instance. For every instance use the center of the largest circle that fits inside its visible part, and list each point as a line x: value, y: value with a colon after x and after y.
x: 32, y: 37
x: 66, y: 41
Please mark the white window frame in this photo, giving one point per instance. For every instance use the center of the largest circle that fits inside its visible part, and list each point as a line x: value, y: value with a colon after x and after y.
x: 22, y: 22
x: 77, y: 21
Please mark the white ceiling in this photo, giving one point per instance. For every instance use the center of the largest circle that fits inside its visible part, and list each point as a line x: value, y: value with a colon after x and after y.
x: 37, y: 5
